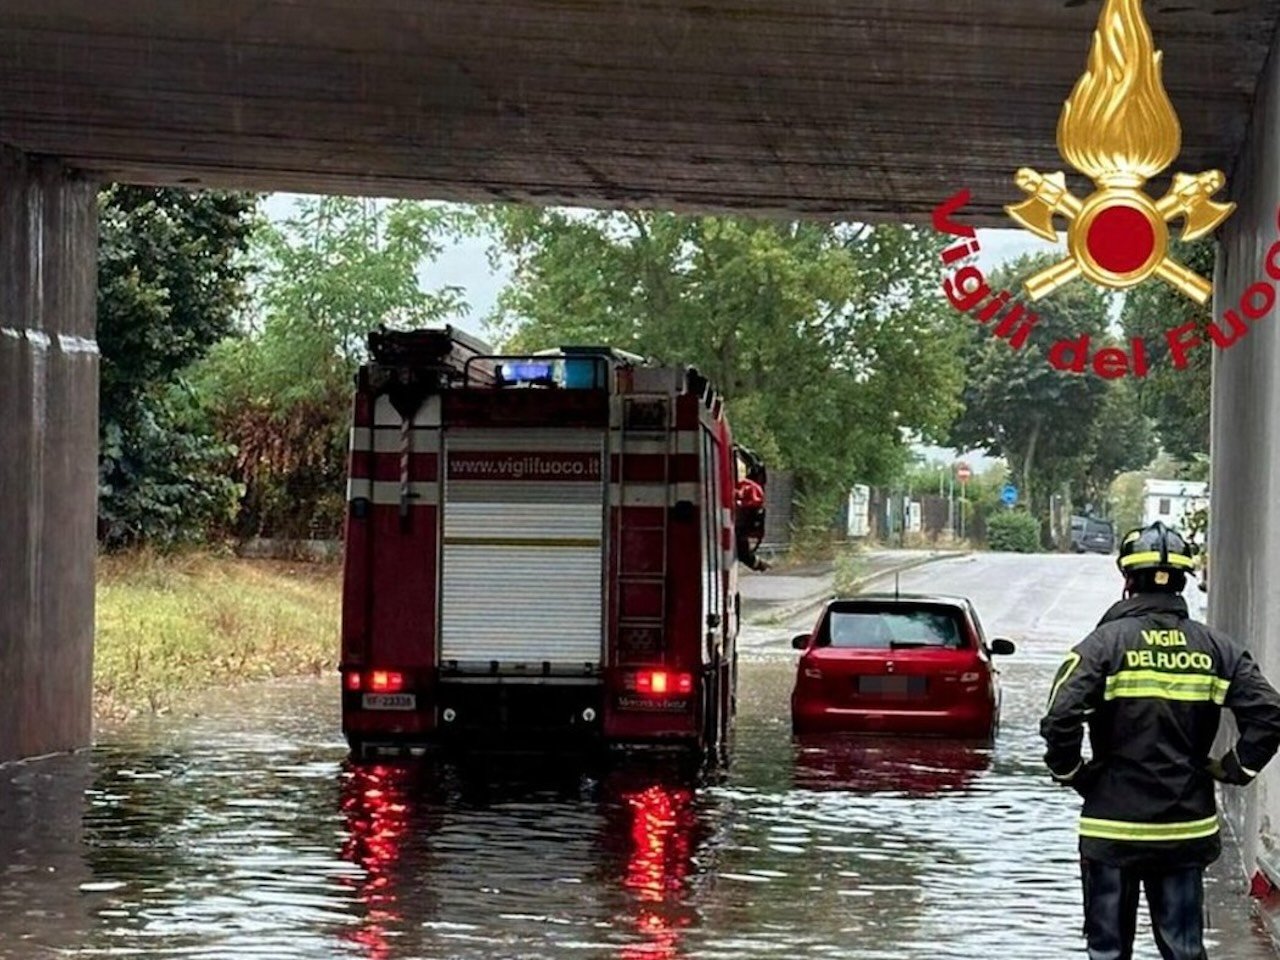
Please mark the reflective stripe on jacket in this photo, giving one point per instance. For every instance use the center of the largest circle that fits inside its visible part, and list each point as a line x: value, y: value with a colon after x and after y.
x: 1150, y: 684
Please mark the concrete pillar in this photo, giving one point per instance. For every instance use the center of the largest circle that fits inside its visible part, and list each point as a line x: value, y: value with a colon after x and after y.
x: 48, y: 454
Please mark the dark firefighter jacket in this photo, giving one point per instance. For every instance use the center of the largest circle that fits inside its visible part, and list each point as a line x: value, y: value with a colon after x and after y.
x: 1151, y: 684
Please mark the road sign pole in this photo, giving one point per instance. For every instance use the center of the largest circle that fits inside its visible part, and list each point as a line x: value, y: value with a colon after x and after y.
x: 951, y: 506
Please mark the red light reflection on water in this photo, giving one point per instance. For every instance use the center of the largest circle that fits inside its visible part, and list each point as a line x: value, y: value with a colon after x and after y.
x: 660, y: 860
x: 376, y: 819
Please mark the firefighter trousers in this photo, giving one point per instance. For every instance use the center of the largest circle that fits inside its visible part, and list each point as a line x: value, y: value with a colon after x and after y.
x: 1175, y: 898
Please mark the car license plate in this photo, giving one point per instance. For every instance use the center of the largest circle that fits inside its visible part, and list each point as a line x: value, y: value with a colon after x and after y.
x: 893, y: 686
x: 390, y: 701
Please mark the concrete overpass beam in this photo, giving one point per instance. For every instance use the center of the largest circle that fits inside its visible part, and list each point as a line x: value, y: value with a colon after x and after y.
x: 48, y: 454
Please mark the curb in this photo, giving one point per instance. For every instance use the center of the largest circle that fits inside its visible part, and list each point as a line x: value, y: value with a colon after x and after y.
x: 794, y: 609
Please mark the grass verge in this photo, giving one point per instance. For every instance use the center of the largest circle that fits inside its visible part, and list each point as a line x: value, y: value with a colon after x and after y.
x: 167, y: 626
x: 850, y: 567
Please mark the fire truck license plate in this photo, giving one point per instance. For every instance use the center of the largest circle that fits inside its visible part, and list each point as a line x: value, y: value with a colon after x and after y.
x: 390, y: 701
x: 652, y: 705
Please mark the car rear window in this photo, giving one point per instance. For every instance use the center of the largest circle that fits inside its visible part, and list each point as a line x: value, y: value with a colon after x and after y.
x: 1097, y: 526
x: 892, y: 629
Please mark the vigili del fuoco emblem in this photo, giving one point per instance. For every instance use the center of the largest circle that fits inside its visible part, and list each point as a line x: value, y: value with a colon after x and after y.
x: 1119, y: 128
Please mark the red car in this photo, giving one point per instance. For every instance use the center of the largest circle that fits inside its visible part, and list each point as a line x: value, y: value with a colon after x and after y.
x: 899, y: 664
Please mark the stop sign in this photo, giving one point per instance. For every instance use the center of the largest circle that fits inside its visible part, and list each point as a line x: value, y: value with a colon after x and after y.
x: 963, y: 473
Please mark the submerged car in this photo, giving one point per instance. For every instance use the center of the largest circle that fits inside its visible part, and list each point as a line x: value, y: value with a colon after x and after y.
x: 898, y: 664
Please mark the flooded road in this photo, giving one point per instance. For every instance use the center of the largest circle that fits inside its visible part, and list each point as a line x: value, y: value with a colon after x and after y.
x: 238, y: 830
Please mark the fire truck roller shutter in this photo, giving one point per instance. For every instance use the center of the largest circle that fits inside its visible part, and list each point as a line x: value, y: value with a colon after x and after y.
x: 523, y: 552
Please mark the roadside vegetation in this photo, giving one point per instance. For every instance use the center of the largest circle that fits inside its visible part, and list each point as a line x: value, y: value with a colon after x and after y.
x: 850, y: 567
x: 171, y: 625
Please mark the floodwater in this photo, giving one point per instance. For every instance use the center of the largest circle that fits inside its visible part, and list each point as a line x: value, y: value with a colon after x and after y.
x: 243, y: 833
x: 239, y: 830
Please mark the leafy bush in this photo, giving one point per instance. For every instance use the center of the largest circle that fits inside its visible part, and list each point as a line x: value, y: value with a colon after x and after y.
x: 162, y: 481
x: 1014, y: 532
x: 850, y: 567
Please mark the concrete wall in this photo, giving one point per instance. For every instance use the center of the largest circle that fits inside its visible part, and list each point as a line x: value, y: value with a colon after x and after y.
x: 1244, y: 532
x: 48, y: 455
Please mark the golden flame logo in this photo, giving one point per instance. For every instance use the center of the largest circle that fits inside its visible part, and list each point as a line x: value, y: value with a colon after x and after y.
x: 1119, y: 128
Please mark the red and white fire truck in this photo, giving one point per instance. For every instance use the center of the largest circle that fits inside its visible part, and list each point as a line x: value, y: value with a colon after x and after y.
x: 541, y: 551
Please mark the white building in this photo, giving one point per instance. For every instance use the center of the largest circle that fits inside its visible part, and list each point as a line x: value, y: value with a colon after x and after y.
x: 1169, y: 501
x: 859, y: 524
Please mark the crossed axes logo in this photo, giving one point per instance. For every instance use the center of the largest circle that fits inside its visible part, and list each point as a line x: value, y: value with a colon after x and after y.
x: 1120, y: 129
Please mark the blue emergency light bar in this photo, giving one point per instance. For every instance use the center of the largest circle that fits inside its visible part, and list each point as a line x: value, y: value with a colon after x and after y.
x: 572, y: 373
x: 525, y: 372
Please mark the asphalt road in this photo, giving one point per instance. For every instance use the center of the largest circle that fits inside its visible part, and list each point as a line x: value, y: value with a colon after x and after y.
x: 1043, y: 602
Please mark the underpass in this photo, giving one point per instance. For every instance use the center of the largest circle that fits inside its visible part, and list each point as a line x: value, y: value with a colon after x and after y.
x: 871, y: 111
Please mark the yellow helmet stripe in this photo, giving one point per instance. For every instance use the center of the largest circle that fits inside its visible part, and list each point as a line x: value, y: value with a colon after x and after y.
x: 1153, y: 556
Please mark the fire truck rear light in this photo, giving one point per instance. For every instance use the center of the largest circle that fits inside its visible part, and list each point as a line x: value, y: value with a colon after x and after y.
x: 663, y: 683
x: 352, y: 680
x: 386, y: 681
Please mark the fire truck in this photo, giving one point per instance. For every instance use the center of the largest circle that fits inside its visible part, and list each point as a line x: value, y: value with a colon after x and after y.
x: 540, y: 551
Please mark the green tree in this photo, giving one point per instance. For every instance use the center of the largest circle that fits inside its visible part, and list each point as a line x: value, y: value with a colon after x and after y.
x: 1177, y: 400
x: 1016, y: 405
x: 1122, y: 440
x: 171, y: 278
x: 1126, y: 500
x: 280, y: 392
x: 830, y: 342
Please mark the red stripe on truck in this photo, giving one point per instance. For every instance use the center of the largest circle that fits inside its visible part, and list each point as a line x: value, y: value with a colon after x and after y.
x: 403, y: 570
x: 530, y: 408
x: 362, y: 410
x: 423, y: 467
x: 652, y: 467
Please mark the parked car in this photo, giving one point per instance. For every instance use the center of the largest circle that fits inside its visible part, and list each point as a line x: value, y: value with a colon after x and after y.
x: 900, y: 664
x: 1091, y: 535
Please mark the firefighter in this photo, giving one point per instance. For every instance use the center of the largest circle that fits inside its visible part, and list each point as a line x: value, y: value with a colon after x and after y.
x: 1150, y: 683
x: 749, y: 497
x: 750, y: 523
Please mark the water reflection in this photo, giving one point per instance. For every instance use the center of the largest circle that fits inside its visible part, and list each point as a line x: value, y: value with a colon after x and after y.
x: 659, y: 864
x: 375, y: 809
x: 916, y: 768
x: 477, y: 860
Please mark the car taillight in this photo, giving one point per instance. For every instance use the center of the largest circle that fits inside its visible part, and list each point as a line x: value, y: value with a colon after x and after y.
x: 662, y: 683
x: 385, y: 681
x: 352, y: 680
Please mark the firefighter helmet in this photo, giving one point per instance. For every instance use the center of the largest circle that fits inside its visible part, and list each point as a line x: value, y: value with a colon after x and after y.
x: 1156, y: 548
x: 750, y: 495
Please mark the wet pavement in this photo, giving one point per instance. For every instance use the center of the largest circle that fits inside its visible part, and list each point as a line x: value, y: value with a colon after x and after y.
x: 765, y: 594
x: 237, y: 830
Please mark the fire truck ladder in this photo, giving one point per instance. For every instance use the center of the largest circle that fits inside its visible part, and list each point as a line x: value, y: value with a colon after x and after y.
x: 641, y: 635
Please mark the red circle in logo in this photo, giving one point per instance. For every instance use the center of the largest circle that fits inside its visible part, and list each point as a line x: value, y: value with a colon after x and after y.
x: 1121, y: 239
